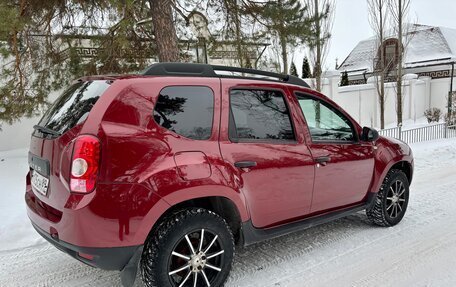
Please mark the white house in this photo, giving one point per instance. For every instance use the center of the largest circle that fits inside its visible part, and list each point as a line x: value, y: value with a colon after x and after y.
x: 429, y: 64
x: 429, y: 51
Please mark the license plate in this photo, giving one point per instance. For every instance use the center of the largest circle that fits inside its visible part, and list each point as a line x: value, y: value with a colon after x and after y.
x: 40, y: 183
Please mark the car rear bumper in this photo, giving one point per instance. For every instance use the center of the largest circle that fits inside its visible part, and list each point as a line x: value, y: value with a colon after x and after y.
x: 113, y: 258
x: 114, y: 215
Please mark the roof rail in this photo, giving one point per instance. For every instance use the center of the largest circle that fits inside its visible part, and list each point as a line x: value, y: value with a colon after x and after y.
x: 205, y: 70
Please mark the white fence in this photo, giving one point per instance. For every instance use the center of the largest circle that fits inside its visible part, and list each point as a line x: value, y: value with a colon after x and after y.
x: 361, y: 101
x: 431, y: 132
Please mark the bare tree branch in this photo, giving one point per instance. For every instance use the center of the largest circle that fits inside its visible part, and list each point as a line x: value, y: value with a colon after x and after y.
x: 378, y: 19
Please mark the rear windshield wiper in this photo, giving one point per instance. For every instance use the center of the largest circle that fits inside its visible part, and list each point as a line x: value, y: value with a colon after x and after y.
x: 46, y: 130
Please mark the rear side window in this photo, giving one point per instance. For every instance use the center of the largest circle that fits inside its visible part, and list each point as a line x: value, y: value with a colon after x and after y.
x: 74, y: 105
x: 186, y: 110
x: 259, y: 115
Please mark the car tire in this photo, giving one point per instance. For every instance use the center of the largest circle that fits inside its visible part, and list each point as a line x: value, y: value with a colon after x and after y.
x: 192, y: 244
x: 391, y: 202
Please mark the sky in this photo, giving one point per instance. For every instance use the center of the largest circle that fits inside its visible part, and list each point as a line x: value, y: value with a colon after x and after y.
x: 351, y: 23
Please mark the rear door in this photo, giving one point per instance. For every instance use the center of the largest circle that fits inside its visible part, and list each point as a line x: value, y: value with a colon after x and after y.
x: 344, y: 165
x: 261, y: 142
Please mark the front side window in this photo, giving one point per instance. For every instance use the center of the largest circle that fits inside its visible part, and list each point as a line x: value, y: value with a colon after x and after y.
x: 186, y: 110
x: 259, y: 115
x: 325, y: 122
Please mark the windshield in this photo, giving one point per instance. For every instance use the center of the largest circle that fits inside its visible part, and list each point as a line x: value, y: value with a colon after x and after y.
x: 73, y: 106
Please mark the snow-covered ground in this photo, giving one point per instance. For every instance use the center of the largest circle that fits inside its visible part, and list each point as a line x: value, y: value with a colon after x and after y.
x: 15, y: 230
x: 420, y: 251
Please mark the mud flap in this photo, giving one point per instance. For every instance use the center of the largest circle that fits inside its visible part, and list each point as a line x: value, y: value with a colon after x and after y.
x: 128, y: 273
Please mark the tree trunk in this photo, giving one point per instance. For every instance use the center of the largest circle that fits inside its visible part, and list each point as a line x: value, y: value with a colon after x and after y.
x: 164, y: 30
x: 317, y: 68
x: 283, y: 44
x: 399, y: 67
x: 237, y: 24
x: 382, y: 69
x: 382, y: 101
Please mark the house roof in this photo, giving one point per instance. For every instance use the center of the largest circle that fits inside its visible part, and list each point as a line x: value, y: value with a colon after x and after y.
x: 428, y: 45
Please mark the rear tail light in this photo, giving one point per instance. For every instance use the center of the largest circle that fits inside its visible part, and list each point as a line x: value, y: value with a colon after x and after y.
x: 84, y: 164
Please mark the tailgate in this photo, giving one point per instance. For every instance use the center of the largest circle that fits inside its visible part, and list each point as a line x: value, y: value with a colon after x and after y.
x: 49, y: 161
x: 52, y: 141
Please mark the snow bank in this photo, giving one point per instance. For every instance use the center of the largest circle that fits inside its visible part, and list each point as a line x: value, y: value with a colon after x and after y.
x: 15, y: 230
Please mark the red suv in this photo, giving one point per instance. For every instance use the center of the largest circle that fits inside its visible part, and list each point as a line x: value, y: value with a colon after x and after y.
x: 170, y: 169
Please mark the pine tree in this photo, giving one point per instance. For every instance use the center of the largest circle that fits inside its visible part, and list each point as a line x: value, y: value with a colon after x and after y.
x: 344, y: 79
x: 39, y: 65
x: 164, y: 30
x: 293, y: 70
x: 286, y: 20
x: 306, y: 73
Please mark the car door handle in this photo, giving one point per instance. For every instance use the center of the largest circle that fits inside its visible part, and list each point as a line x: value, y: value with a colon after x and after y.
x: 323, y: 160
x: 245, y: 164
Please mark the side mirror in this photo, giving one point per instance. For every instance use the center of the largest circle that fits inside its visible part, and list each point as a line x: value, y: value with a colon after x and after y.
x: 369, y: 134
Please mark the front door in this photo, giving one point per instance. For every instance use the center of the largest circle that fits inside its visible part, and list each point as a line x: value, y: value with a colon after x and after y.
x: 344, y: 165
x: 272, y: 165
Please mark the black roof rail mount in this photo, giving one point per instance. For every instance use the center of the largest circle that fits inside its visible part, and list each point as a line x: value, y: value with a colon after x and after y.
x: 205, y: 70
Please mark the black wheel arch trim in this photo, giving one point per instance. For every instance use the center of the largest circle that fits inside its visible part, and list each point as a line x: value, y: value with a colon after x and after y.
x: 393, y: 164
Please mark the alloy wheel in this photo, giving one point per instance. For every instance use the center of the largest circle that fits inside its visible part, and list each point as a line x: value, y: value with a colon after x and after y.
x: 395, y: 200
x: 196, y: 259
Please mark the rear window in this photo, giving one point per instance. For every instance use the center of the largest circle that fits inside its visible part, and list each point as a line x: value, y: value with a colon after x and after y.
x: 74, y: 105
x: 259, y: 115
x: 186, y: 110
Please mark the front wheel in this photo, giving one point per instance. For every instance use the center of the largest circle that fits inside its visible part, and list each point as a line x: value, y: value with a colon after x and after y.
x: 194, y: 247
x: 391, y: 202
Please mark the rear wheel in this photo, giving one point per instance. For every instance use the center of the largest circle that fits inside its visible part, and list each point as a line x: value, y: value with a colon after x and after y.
x: 391, y: 202
x: 194, y: 247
